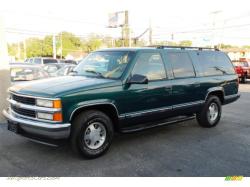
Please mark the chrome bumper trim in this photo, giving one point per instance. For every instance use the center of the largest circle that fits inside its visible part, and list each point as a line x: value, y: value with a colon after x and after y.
x: 34, y: 123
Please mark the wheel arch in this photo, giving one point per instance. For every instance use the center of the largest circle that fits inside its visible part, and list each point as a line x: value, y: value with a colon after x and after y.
x: 217, y: 91
x: 109, y: 109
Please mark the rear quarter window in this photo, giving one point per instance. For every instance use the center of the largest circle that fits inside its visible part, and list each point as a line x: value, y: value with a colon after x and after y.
x: 215, y: 63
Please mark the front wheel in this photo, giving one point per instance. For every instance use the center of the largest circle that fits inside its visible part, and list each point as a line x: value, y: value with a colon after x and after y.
x: 211, y: 112
x: 92, y: 133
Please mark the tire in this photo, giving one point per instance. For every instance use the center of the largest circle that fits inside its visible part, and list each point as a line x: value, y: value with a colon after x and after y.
x: 91, y: 134
x: 206, y: 118
x: 244, y: 79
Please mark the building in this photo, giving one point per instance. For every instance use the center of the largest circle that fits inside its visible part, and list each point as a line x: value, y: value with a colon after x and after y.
x: 237, y: 53
x: 77, y: 55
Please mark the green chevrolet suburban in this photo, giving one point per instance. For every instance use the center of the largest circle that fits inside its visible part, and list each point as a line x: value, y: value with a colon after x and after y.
x: 123, y: 90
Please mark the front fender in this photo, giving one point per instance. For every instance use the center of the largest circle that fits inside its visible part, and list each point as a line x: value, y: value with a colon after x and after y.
x: 70, y: 112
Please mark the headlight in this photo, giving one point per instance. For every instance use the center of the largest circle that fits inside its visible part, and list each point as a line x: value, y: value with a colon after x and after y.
x: 49, y: 103
x: 53, y: 117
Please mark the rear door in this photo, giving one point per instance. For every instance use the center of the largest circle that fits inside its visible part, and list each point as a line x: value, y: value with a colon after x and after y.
x: 185, y: 85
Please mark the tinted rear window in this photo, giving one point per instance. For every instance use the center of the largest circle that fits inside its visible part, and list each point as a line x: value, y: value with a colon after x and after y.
x: 215, y: 63
x: 48, y: 61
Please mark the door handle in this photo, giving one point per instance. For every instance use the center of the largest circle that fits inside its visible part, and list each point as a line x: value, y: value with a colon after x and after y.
x: 168, y: 88
x: 196, y: 85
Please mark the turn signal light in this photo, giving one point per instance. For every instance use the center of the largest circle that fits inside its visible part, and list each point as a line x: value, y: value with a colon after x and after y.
x: 57, y: 116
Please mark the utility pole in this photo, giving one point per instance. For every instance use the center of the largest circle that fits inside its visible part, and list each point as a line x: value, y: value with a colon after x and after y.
x: 4, y: 70
x: 54, y: 46
x: 214, y: 13
x: 61, y: 44
x: 126, y: 30
x: 150, y: 33
x: 24, y: 49
x: 18, y: 51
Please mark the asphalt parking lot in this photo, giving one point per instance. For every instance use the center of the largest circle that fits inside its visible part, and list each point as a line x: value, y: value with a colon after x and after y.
x: 183, y: 149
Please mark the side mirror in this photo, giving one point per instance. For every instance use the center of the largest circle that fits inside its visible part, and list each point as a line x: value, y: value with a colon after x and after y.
x: 138, y: 79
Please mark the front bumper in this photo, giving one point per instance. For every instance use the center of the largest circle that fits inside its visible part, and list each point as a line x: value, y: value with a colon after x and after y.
x: 37, y: 130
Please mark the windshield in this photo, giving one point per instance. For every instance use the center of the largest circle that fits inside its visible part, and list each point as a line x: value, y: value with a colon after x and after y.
x: 104, y: 64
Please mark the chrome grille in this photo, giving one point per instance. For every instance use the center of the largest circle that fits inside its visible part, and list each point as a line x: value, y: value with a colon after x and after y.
x: 24, y: 112
x: 24, y: 100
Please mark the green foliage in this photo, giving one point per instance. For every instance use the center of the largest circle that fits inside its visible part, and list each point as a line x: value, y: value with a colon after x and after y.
x: 226, y: 46
x: 186, y: 43
x: 44, y: 47
x: 246, y: 47
x: 93, y: 42
x: 70, y: 43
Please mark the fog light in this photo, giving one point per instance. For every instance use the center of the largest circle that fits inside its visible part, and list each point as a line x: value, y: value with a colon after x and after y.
x: 45, y: 116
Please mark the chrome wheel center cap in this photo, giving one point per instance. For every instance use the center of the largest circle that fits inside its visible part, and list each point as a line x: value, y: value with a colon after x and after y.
x: 95, y: 135
x: 213, y: 112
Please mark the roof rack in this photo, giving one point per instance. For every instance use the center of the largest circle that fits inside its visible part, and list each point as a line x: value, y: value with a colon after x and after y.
x: 182, y: 47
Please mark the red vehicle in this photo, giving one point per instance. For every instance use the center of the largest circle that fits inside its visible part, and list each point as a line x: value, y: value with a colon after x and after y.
x: 242, y: 68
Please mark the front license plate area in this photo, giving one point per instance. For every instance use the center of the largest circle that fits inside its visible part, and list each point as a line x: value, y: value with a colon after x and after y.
x: 13, y: 127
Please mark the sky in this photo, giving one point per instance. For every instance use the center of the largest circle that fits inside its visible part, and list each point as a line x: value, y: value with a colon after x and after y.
x: 204, y: 22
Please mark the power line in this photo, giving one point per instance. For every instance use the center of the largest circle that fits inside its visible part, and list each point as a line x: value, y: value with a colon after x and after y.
x: 40, y: 33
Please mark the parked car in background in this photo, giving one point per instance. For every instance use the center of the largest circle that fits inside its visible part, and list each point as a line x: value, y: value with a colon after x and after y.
x: 26, y: 60
x: 242, y: 68
x: 68, y: 61
x: 41, y: 60
x: 52, y: 68
x: 65, y: 70
x: 79, y: 61
x: 26, y: 72
x: 124, y: 90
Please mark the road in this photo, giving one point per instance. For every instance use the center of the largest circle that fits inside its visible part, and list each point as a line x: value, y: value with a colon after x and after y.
x: 183, y: 149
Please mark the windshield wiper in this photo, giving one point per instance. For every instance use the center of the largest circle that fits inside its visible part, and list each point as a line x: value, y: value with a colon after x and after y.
x: 219, y: 69
x: 73, y: 72
x: 95, y: 72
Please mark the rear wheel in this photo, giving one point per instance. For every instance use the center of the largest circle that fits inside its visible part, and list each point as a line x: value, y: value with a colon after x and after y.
x: 211, y: 112
x: 92, y: 133
x: 244, y: 79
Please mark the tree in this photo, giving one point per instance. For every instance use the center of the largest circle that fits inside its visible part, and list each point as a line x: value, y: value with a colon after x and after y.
x: 186, y: 43
x: 92, y: 43
x: 226, y: 46
x: 34, y: 47
x: 69, y: 43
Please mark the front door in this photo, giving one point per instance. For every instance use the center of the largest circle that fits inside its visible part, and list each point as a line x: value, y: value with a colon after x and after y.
x: 152, y: 101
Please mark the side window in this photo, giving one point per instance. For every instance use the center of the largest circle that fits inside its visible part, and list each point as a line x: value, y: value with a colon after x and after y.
x: 31, y: 60
x: 48, y: 61
x: 151, y: 66
x: 215, y: 63
x: 37, y: 61
x: 181, y: 64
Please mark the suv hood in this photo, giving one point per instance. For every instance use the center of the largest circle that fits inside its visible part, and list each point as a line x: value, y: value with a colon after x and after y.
x: 54, y: 87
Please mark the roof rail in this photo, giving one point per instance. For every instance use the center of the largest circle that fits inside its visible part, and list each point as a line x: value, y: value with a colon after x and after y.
x: 182, y: 47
